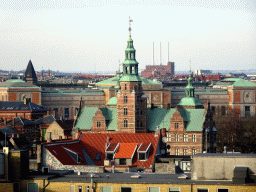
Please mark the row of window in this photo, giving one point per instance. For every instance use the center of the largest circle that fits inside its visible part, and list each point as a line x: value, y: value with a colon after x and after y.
x: 185, y: 151
x: 33, y: 187
x: 177, y: 137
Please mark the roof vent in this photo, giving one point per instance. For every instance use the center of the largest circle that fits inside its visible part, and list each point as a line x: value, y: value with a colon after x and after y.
x: 135, y: 176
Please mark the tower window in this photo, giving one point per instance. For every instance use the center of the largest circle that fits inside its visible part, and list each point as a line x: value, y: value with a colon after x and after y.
x: 125, y: 99
x: 125, y: 123
x: 185, y: 138
x: 125, y: 87
x: 193, y: 138
x: 125, y: 111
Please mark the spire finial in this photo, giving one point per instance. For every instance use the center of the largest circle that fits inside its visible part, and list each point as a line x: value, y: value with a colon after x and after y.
x: 130, y: 29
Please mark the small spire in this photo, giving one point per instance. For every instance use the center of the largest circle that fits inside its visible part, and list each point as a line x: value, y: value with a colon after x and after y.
x: 130, y: 29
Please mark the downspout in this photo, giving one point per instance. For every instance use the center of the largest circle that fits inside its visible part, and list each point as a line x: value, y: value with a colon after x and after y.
x: 44, y: 186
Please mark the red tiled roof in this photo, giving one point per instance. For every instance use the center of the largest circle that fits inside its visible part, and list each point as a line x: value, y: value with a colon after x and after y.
x: 144, y: 147
x: 111, y: 146
x: 126, y: 150
x: 61, y: 154
x: 94, y: 143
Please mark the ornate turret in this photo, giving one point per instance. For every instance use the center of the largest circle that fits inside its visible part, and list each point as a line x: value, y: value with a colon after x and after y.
x: 190, y: 101
x: 30, y: 74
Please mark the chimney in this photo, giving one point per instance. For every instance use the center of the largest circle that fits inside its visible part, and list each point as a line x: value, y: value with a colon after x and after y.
x: 5, y: 121
x: 168, y: 105
x: 225, y: 149
x: 60, y: 137
x: 163, y: 132
x: 48, y: 113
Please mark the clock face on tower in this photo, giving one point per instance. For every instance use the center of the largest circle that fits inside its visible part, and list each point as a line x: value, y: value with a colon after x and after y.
x: 247, y: 96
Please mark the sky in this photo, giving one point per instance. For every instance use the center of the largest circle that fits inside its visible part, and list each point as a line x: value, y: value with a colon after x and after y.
x: 91, y: 35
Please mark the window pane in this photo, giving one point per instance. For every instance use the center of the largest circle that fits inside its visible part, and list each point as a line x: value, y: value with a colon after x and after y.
x: 106, y: 189
x: 222, y: 190
x: 126, y: 189
x: 32, y: 187
x: 202, y: 190
x: 153, y: 189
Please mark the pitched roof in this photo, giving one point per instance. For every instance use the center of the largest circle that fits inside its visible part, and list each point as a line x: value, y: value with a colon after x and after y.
x: 85, y: 119
x: 126, y: 150
x: 63, y: 152
x: 113, y: 81
x: 17, y: 83
x: 46, y: 120
x: 235, y: 82
x: 112, y: 101
x: 94, y: 143
x: 20, y: 121
x: 162, y: 117
x: 190, y: 101
x: 20, y: 106
x: 30, y: 71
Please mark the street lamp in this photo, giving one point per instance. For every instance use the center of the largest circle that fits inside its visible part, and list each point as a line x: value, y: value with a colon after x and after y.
x: 92, y: 176
x: 206, y: 135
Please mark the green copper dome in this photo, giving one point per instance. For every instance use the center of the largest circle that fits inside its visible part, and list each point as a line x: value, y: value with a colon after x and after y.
x: 130, y: 65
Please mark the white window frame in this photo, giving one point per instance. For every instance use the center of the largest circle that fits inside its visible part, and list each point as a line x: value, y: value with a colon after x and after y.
x: 105, y: 186
x: 177, y: 137
x: 33, y: 182
x: 193, y: 150
x: 87, y: 188
x: 80, y: 186
x: 185, y: 151
x: 153, y: 186
x: 125, y: 186
x: 172, y: 187
x: 194, y: 138
x: 177, y: 150
x: 72, y: 186
x: 185, y: 138
x: 169, y: 136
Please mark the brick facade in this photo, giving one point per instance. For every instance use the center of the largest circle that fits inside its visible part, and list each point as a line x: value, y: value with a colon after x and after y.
x: 99, y: 124
x: 12, y: 97
x: 129, y: 97
x: 237, y: 96
x: 35, y: 98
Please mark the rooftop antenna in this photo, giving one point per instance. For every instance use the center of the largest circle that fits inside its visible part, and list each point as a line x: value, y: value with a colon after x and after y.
x: 160, y: 55
x: 130, y: 29
x: 153, y: 63
x: 190, y: 66
x: 168, y: 54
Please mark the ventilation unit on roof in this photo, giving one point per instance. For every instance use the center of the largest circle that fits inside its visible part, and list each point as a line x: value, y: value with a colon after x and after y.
x: 45, y: 170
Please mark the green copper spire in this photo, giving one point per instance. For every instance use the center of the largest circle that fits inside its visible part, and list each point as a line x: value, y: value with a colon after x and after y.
x: 130, y: 65
x: 190, y: 89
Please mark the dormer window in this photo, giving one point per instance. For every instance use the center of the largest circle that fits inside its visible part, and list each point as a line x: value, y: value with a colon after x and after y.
x: 143, y: 151
x: 111, y: 150
x: 176, y: 125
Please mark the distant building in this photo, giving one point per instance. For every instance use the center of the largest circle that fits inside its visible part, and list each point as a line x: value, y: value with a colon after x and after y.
x: 204, y: 72
x: 159, y: 70
x: 30, y: 74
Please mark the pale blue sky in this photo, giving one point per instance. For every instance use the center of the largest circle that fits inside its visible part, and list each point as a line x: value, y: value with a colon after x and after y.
x: 73, y: 35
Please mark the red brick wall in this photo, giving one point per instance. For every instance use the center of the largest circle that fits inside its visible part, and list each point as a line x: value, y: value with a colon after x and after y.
x: 230, y: 93
x: 167, y: 98
x: 99, y: 117
x: 237, y: 96
x: 237, y: 109
x: 12, y: 97
x: 35, y: 98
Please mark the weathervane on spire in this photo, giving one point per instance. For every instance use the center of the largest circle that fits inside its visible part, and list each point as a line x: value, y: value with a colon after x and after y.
x: 130, y: 29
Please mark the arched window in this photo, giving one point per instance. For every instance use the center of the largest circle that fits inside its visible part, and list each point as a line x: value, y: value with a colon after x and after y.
x: 185, y: 138
x: 125, y: 123
x: 125, y: 111
x: 125, y: 87
x: 125, y: 99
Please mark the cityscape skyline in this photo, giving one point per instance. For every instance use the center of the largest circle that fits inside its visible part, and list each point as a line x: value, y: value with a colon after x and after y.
x: 72, y: 36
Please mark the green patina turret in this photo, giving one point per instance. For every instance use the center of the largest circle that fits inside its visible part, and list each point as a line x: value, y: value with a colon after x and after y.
x: 190, y: 89
x: 130, y: 65
x: 190, y: 101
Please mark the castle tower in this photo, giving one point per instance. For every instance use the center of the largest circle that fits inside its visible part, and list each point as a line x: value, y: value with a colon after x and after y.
x: 30, y: 74
x: 131, y: 101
